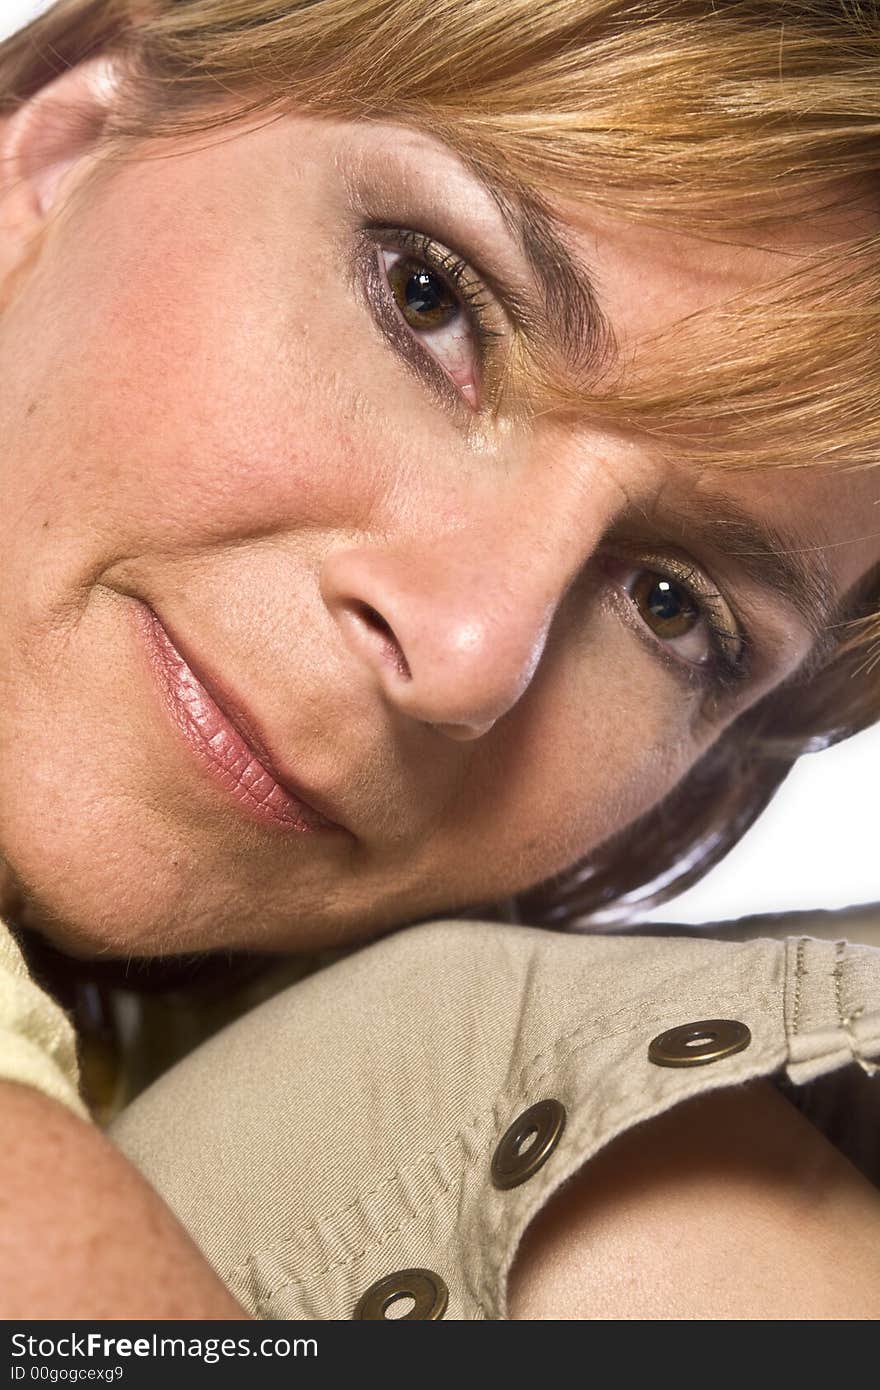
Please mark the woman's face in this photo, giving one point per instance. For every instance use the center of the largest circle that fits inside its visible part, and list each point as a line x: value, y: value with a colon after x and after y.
x: 235, y: 426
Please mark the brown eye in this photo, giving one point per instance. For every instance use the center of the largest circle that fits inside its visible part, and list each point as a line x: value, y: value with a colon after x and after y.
x: 687, y: 616
x: 667, y: 608
x: 422, y: 296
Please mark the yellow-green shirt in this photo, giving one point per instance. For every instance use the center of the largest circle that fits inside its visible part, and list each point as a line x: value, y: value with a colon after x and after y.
x: 37, y: 1041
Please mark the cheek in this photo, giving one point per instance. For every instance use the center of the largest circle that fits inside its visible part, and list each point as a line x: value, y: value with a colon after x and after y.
x: 621, y: 751
x: 188, y: 387
x: 191, y: 389
x: 600, y: 739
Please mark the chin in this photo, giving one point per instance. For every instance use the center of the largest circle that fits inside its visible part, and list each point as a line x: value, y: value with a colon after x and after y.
x: 140, y: 928
x: 102, y: 936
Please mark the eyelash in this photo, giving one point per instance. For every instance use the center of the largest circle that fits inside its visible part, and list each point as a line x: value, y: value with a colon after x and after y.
x: 723, y: 671
x: 460, y: 277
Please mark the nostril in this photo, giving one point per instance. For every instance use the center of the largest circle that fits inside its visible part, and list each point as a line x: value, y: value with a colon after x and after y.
x: 390, y: 646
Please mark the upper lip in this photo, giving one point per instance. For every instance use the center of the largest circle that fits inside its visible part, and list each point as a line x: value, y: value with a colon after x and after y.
x: 244, y: 723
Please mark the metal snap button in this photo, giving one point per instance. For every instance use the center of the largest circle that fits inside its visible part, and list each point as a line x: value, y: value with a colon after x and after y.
x: 418, y: 1294
x: 528, y: 1143
x: 695, y: 1044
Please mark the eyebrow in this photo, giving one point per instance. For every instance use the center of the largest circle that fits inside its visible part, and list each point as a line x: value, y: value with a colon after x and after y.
x: 570, y: 310
x: 787, y: 563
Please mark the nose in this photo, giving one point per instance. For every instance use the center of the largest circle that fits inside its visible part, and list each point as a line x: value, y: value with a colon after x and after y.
x: 453, y: 626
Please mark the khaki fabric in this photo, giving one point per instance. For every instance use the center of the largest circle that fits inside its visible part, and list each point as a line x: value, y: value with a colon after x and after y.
x: 345, y: 1129
x: 37, y: 1042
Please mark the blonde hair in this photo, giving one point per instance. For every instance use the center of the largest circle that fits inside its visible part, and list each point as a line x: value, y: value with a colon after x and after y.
x: 727, y: 115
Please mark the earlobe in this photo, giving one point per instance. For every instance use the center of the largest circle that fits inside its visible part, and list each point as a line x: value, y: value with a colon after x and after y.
x: 42, y: 141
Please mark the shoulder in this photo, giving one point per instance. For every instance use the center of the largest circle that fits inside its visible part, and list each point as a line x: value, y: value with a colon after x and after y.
x: 349, y: 1129
x: 730, y: 1206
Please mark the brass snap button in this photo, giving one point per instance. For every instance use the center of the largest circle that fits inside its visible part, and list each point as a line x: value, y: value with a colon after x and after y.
x: 408, y: 1295
x: 695, y: 1044
x: 528, y: 1143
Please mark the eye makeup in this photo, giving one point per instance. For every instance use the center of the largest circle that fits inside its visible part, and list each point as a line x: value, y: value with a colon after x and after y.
x: 728, y: 661
x: 727, y: 664
x: 490, y: 307
x: 485, y: 319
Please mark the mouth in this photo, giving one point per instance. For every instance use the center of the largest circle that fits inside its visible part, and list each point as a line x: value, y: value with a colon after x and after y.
x: 224, y: 737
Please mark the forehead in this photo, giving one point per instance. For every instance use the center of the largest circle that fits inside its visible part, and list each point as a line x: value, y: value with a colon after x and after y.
x: 826, y: 521
x: 646, y: 278
x: 649, y: 275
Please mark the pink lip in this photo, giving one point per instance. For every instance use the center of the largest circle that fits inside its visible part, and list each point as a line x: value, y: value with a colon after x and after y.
x: 240, y: 765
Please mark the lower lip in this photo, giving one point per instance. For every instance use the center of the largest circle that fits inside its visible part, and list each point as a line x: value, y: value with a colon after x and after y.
x: 217, y: 744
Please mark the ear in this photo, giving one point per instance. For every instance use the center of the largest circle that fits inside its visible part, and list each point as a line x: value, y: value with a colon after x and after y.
x: 45, y: 139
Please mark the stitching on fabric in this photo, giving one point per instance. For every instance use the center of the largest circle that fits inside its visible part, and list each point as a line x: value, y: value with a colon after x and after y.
x: 612, y: 1132
x: 837, y: 976
x: 573, y: 1052
x: 297, y: 1246
x: 348, y: 1260
x: 846, y: 1020
x: 582, y: 1032
x: 497, y: 1112
x: 684, y: 1092
x: 800, y: 971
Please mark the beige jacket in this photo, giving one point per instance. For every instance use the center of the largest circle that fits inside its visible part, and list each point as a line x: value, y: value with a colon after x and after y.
x: 363, y: 1134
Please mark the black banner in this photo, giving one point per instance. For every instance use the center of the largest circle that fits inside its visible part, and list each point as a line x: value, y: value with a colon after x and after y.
x: 134, y: 1354
x: 131, y: 1355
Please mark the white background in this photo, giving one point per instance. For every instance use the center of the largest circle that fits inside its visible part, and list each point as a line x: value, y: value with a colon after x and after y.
x: 817, y: 845
x: 16, y: 12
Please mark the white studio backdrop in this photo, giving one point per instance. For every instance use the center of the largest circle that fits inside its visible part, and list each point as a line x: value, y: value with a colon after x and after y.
x: 15, y: 13
x: 817, y: 844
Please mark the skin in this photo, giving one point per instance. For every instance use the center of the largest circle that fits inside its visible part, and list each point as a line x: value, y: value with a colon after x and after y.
x: 730, y: 1206
x: 82, y: 1235
x: 202, y: 414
